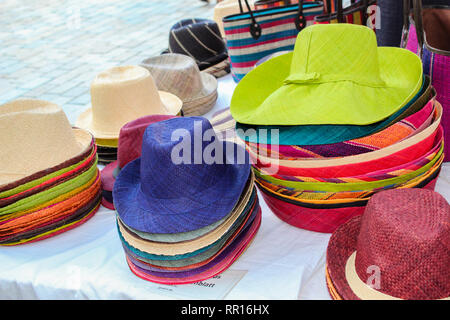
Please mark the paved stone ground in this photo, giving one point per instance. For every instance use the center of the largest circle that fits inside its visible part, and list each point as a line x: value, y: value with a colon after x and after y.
x: 52, y: 49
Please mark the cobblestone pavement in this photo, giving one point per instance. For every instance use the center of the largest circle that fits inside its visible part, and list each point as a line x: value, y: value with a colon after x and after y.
x: 52, y: 49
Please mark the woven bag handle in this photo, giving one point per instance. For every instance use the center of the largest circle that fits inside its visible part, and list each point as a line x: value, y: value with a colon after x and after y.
x: 300, y: 20
x: 365, y: 16
x: 417, y: 16
x: 405, y: 31
x: 255, y: 28
x: 327, y: 9
x: 340, y: 10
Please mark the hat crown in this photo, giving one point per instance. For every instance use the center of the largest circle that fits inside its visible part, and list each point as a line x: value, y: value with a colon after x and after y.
x: 130, y: 138
x: 406, y: 234
x: 175, y: 73
x: 338, y: 52
x: 172, y: 163
x: 34, y: 135
x: 199, y: 39
x: 121, y: 94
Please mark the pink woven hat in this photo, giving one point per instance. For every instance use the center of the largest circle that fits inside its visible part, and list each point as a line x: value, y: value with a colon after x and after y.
x: 129, y: 148
x: 398, y: 249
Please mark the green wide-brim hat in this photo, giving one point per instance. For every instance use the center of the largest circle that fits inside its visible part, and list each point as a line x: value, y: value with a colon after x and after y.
x: 335, y: 75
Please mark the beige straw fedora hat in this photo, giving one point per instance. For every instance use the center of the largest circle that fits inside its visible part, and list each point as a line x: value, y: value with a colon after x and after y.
x: 36, y: 135
x: 226, y: 8
x: 180, y: 75
x: 122, y: 94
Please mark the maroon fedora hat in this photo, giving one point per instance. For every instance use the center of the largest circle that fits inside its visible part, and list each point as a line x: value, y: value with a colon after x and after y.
x: 129, y: 148
x: 398, y: 249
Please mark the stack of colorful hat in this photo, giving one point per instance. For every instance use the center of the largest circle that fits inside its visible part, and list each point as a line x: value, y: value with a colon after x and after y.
x: 129, y: 149
x: 188, y: 207
x: 49, y: 181
x: 180, y: 75
x: 120, y: 95
x: 397, y: 250
x: 334, y: 122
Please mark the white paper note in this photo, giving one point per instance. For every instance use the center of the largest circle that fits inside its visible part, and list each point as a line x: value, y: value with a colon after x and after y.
x: 214, y: 288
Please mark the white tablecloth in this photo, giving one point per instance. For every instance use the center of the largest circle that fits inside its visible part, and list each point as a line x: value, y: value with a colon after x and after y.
x: 88, y: 262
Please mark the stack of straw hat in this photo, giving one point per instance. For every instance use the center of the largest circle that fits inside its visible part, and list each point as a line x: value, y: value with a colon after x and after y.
x: 49, y: 181
x: 119, y: 95
x: 180, y: 75
x: 335, y: 121
x: 185, y: 221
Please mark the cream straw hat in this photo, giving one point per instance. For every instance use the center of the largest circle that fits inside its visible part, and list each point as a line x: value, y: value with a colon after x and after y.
x: 120, y: 95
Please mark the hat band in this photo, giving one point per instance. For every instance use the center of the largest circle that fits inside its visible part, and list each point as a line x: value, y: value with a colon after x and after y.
x: 317, y: 78
x: 360, y: 288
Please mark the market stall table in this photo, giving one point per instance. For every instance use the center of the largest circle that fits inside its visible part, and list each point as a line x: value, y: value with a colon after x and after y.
x: 88, y: 262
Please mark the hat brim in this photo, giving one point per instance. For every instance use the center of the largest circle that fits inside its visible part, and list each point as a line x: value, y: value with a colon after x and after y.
x: 242, y: 229
x: 107, y: 204
x: 260, y: 102
x: 341, y: 246
x: 200, y: 107
x: 108, y: 177
x: 325, y: 216
x: 214, y: 61
x: 421, y: 140
x: 317, y: 218
x: 60, y: 223
x: 107, y: 143
x: 214, y: 267
x: 328, y: 134
x: 219, y: 69
x: 209, y: 89
x: 183, y: 247
x: 66, y: 175
x: 172, y: 103
x: 357, y: 187
x: 84, y: 140
x: 188, y: 236
x: 205, y: 256
x: 163, y: 216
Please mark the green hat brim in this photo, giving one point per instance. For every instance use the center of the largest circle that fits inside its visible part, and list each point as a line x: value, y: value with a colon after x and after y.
x: 261, y: 98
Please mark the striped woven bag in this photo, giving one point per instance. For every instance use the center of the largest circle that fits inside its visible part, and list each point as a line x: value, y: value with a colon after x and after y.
x: 265, y: 4
x: 255, y: 34
x: 362, y: 12
x: 426, y: 33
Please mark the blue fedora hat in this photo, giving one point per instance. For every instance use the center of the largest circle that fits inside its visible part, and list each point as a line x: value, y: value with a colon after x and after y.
x: 169, y: 191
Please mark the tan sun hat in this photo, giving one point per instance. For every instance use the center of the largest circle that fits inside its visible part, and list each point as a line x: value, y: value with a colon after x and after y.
x: 180, y: 75
x: 229, y: 7
x: 36, y: 135
x: 122, y: 94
